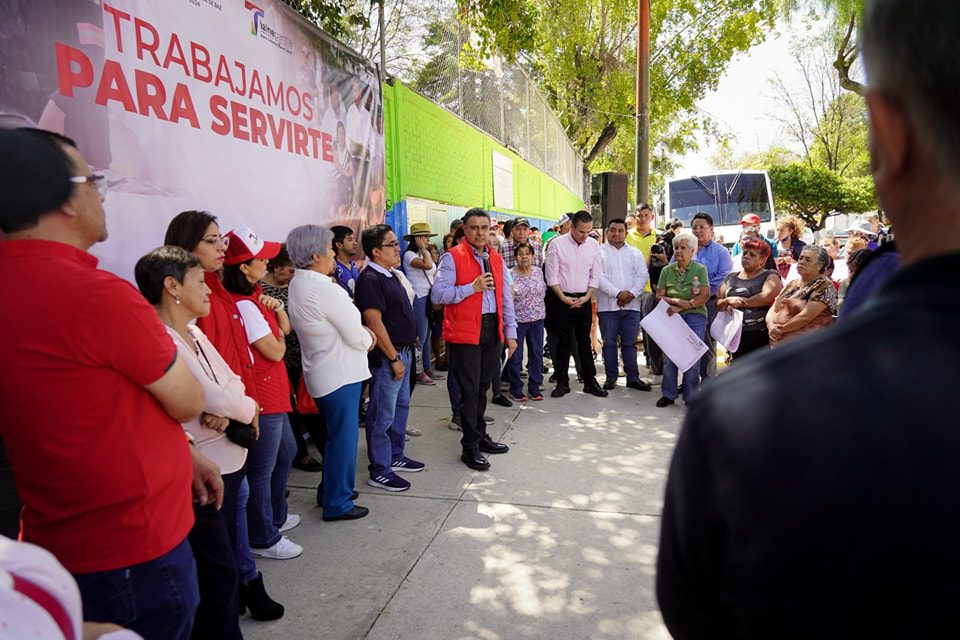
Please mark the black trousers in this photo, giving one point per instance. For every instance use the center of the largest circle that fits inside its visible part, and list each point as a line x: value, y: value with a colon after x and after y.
x: 217, y: 573
x: 475, y: 366
x: 574, y: 324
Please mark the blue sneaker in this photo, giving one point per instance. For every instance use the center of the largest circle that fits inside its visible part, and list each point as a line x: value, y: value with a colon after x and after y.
x: 389, y: 482
x: 407, y: 465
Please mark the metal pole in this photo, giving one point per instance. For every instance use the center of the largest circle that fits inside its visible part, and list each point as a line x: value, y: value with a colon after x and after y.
x: 383, y: 44
x: 641, y: 163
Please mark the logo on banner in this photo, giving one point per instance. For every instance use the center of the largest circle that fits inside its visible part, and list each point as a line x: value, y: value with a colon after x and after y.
x: 259, y: 27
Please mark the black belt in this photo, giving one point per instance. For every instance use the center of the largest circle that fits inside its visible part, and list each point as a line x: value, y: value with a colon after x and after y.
x: 575, y: 295
x: 489, y: 317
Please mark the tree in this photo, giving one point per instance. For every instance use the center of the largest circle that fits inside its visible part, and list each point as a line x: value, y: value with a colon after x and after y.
x: 830, y: 124
x: 845, y: 16
x: 339, y: 18
x: 583, y: 52
x: 814, y: 193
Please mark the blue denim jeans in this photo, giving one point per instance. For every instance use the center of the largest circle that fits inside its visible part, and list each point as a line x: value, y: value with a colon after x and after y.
x: 342, y: 410
x: 387, y: 415
x: 691, y: 377
x: 423, y: 329
x: 157, y: 599
x: 531, y: 334
x: 623, y: 325
x: 246, y: 565
x: 268, y: 467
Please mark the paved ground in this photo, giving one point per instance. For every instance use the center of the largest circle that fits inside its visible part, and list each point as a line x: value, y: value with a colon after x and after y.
x: 558, y: 540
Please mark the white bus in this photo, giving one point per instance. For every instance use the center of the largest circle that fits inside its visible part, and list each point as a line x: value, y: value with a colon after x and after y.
x: 727, y: 196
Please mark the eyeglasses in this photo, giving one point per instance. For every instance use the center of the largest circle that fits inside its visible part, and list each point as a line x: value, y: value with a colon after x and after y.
x: 390, y: 245
x: 217, y: 241
x: 99, y: 182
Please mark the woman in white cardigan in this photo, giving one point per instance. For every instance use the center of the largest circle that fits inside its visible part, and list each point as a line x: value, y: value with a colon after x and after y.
x: 171, y: 279
x: 333, y: 345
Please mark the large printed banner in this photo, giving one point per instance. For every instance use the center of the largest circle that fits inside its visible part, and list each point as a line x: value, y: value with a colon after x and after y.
x: 231, y: 106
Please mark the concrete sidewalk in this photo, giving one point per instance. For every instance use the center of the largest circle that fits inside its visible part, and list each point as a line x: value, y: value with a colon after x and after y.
x: 558, y: 540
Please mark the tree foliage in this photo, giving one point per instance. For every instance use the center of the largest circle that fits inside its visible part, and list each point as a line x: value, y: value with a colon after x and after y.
x: 339, y: 18
x: 814, y: 193
x: 583, y: 54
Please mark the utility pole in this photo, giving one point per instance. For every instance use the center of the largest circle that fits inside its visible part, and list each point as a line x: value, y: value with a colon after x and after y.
x: 383, y: 38
x: 641, y: 164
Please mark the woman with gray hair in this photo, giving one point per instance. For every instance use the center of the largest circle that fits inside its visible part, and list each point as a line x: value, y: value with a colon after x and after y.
x: 685, y: 286
x: 807, y: 304
x: 333, y: 345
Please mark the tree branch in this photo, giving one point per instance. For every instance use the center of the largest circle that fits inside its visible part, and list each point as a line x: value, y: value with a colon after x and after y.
x: 845, y: 60
x: 607, y: 134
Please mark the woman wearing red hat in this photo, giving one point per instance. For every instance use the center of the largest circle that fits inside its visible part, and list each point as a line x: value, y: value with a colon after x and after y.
x: 266, y: 323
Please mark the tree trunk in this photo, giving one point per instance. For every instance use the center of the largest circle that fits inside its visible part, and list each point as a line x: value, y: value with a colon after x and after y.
x: 607, y: 134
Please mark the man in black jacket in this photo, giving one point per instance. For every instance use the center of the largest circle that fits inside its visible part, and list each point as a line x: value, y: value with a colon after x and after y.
x: 814, y: 489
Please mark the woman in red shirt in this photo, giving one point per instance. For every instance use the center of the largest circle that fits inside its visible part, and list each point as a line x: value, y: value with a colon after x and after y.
x: 198, y: 233
x: 266, y: 323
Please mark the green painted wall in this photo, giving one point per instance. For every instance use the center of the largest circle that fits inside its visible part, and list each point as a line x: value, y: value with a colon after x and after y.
x: 432, y: 154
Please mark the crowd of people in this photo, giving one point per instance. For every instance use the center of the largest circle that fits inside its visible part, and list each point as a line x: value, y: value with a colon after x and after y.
x: 152, y: 435
x: 249, y: 344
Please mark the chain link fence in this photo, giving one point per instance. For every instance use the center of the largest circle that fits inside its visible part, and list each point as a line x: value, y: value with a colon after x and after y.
x: 502, y: 101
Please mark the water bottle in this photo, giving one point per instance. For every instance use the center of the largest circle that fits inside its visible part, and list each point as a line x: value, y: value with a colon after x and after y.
x: 695, y: 287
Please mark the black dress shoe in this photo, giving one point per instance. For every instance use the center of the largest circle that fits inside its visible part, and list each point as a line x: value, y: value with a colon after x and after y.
x: 308, y: 464
x: 353, y: 514
x: 594, y: 389
x: 664, y: 402
x: 489, y: 446
x: 610, y: 384
x: 639, y: 385
x: 502, y: 401
x: 475, y: 461
x: 561, y: 390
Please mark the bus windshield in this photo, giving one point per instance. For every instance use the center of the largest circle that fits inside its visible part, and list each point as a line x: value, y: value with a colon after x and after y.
x: 724, y: 196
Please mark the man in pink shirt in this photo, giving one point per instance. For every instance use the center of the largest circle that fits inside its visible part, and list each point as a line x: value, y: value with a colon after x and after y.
x: 573, y: 268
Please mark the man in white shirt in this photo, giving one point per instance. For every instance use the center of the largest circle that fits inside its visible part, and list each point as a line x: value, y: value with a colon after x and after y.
x: 622, y: 282
x: 358, y: 123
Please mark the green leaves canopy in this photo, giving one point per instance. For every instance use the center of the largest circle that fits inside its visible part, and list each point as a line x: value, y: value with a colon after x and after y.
x: 813, y: 193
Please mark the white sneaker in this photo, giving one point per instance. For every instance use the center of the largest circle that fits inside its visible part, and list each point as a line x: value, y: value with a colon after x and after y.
x: 291, y: 521
x: 283, y: 550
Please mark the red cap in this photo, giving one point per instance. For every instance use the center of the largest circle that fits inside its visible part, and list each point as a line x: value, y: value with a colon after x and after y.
x: 750, y: 218
x: 245, y: 245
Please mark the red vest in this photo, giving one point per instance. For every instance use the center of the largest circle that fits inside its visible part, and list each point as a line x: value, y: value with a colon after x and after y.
x: 273, y: 385
x: 224, y: 329
x: 461, y: 321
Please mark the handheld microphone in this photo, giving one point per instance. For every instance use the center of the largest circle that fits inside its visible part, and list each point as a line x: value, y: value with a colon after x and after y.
x: 486, y: 262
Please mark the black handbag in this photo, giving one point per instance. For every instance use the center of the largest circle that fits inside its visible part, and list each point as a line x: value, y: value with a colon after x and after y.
x: 241, y: 433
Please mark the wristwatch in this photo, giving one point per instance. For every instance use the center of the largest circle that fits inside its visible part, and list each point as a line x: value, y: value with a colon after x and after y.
x: 395, y: 359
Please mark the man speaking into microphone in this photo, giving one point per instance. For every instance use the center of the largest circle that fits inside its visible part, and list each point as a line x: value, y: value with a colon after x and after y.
x: 477, y: 319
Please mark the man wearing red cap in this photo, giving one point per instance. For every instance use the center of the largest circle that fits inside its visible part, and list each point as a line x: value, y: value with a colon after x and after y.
x: 750, y: 225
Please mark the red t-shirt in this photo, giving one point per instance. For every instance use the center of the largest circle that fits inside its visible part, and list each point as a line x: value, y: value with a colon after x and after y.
x: 104, y: 473
x: 273, y: 385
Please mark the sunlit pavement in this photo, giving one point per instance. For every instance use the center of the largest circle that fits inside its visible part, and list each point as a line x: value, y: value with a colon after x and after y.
x: 557, y: 540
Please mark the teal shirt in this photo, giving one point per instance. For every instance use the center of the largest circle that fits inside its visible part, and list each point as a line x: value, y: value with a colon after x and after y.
x: 682, y: 288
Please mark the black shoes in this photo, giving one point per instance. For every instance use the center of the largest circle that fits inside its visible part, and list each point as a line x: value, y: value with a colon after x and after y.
x: 475, y: 461
x: 502, y: 401
x: 253, y: 596
x: 561, y: 390
x: 354, y: 514
x: 611, y: 384
x: 489, y: 446
x: 308, y: 464
x: 593, y: 388
x: 664, y: 402
x: 639, y: 385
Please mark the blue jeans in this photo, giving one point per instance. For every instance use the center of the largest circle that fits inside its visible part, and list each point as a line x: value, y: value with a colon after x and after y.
x: 342, y: 411
x: 246, y: 565
x: 423, y: 329
x: 530, y: 333
x: 691, y: 377
x: 625, y: 326
x: 268, y: 467
x: 387, y: 415
x: 157, y: 599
